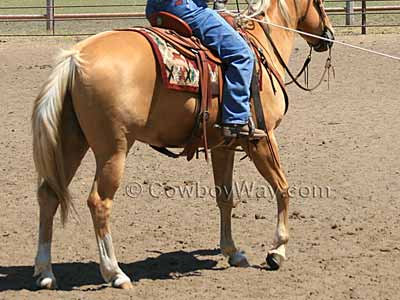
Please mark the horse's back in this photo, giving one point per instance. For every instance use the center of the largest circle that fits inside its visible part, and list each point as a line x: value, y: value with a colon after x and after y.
x: 120, y: 86
x: 117, y: 55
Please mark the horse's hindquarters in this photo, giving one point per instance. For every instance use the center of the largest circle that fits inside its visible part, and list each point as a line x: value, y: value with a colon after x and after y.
x: 119, y: 94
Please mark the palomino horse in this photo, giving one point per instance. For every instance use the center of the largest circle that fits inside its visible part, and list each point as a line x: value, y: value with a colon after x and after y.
x: 106, y: 94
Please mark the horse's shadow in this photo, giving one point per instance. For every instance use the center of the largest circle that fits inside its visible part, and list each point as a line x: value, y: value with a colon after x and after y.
x: 168, y: 265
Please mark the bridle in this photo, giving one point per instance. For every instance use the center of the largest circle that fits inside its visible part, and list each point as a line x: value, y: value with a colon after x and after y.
x: 322, y: 45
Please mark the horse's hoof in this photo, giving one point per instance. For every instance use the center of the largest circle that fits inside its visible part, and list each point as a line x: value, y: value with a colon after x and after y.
x: 239, y: 260
x: 126, y: 286
x: 274, y: 261
x: 46, y: 283
x: 122, y: 282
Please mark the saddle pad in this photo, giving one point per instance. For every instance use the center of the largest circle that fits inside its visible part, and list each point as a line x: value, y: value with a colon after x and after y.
x: 177, y: 71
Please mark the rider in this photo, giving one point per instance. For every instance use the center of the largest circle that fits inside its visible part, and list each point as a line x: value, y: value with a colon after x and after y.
x: 238, y: 60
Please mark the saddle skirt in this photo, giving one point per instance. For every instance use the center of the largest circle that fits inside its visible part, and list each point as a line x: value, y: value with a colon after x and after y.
x: 179, y: 71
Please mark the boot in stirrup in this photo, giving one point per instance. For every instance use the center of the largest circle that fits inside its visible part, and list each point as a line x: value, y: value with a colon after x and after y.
x: 242, y: 130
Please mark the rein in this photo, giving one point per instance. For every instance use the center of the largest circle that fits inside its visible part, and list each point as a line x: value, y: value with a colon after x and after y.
x: 304, y: 70
x: 294, y: 79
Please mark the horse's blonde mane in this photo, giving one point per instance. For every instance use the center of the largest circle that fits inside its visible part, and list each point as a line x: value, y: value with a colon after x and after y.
x: 263, y: 5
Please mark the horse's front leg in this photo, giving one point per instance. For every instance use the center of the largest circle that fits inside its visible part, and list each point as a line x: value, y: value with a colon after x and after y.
x: 266, y: 159
x: 222, y: 161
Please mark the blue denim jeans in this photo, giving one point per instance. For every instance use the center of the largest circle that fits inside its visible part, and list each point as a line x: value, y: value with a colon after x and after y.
x: 222, y: 39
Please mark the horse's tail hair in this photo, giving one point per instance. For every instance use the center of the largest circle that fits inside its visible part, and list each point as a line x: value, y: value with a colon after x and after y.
x: 46, y: 128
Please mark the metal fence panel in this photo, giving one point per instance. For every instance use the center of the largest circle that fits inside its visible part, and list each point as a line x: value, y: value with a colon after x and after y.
x: 347, y: 14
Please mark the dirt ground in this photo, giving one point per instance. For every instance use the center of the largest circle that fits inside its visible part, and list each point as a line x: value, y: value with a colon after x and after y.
x: 345, y: 245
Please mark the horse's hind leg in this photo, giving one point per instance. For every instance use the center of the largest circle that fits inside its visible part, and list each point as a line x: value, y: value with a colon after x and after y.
x: 110, y: 166
x: 222, y: 161
x: 48, y: 204
x: 74, y: 148
x: 268, y: 164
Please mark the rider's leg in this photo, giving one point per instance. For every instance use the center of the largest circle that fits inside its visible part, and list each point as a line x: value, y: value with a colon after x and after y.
x: 233, y: 50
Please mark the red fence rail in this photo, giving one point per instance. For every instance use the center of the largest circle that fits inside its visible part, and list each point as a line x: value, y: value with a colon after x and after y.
x: 348, y: 11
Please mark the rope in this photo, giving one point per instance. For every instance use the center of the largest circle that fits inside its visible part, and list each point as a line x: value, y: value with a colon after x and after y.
x: 323, y: 38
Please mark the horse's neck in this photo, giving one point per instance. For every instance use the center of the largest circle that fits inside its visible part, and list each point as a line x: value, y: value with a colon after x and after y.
x: 283, y: 41
x: 284, y: 44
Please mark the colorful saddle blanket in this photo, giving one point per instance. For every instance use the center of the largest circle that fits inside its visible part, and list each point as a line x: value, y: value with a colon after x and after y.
x: 178, y: 72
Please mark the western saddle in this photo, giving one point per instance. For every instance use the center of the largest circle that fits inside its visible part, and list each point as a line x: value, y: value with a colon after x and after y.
x: 178, y: 33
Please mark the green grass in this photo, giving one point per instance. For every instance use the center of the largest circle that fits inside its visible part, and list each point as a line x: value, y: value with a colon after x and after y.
x: 93, y: 26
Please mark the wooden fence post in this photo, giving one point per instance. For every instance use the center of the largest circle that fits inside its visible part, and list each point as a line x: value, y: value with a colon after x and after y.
x: 349, y: 12
x: 50, y: 15
x: 363, y: 17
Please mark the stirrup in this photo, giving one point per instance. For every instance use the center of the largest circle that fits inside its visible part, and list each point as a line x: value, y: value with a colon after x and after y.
x: 232, y: 131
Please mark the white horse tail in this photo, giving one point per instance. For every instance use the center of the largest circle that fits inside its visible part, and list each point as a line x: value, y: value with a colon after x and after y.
x: 46, y: 128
